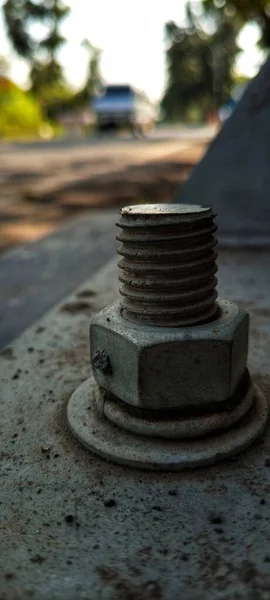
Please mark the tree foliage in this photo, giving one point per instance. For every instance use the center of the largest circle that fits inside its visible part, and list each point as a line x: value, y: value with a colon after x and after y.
x: 93, y: 77
x: 20, y: 113
x: 19, y: 15
x: 49, y: 87
x: 93, y: 80
x: 199, y: 66
x: 52, y: 42
x: 243, y: 11
x: 48, y: 84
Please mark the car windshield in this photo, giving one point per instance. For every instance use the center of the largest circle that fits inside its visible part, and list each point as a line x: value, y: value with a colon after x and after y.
x: 116, y: 90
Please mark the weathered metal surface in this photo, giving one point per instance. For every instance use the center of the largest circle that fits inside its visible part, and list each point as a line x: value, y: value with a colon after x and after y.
x: 75, y: 527
x: 167, y: 367
x: 168, y: 264
x: 169, y: 424
x: 98, y: 434
x: 163, y: 370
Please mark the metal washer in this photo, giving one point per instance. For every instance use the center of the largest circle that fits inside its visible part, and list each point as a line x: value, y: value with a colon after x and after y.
x: 146, y: 423
x: 102, y: 437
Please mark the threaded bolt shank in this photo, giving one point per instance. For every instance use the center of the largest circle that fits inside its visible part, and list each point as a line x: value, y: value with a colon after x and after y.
x: 168, y: 267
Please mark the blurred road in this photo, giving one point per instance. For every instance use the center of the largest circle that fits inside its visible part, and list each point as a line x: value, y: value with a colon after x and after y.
x: 42, y: 184
x: 161, y: 133
x: 34, y: 159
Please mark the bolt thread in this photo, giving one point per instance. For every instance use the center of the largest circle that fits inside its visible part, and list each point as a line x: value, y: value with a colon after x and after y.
x: 168, y: 267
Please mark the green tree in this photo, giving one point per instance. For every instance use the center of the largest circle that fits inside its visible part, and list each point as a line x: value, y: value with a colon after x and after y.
x: 47, y: 74
x: 223, y: 51
x: 243, y: 11
x: 189, y: 72
x: 57, y: 12
x: 200, y: 66
x: 20, y: 114
x: 19, y: 15
x: 93, y: 80
x: 50, y: 88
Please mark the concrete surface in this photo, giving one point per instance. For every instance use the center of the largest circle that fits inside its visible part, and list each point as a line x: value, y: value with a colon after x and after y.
x: 75, y: 527
x: 234, y: 175
x: 35, y: 276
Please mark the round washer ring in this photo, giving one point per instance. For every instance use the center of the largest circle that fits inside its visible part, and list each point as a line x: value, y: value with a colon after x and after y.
x: 180, y: 428
x: 102, y: 437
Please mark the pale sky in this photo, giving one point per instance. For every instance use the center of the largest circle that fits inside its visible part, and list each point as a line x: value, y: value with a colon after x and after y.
x: 131, y: 37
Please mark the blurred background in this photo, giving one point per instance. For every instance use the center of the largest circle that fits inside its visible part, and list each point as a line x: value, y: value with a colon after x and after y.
x: 109, y: 103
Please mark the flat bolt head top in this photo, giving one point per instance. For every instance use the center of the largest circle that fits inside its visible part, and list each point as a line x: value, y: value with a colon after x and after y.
x: 163, y: 214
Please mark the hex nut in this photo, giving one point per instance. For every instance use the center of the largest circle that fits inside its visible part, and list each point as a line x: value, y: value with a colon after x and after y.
x: 161, y: 368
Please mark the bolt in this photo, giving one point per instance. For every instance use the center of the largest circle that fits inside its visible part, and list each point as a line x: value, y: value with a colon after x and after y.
x: 170, y: 388
x: 169, y: 343
x: 168, y: 266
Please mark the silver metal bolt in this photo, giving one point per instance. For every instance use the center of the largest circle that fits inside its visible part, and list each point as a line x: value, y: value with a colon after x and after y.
x: 169, y: 359
x: 168, y: 266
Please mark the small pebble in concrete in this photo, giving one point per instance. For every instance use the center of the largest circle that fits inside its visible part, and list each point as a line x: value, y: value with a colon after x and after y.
x: 86, y: 294
x: 215, y: 519
x: 222, y: 571
x: 75, y: 307
x: 69, y: 518
x: 37, y: 559
x: 110, y: 502
x: 46, y: 448
x: 184, y: 556
x: 40, y: 329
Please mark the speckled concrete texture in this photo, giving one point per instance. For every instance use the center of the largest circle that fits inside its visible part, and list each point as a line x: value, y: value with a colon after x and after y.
x: 75, y: 527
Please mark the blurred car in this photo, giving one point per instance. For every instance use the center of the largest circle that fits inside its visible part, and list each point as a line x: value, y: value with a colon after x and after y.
x: 121, y: 106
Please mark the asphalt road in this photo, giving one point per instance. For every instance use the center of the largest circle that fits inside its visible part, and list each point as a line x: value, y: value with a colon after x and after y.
x: 62, y: 177
x: 40, y: 157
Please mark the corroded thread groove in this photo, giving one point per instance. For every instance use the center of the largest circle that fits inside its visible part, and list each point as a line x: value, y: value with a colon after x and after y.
x: 168, y: 265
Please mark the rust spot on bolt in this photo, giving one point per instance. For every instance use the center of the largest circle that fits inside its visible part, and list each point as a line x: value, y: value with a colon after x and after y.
x: 101, y: 361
